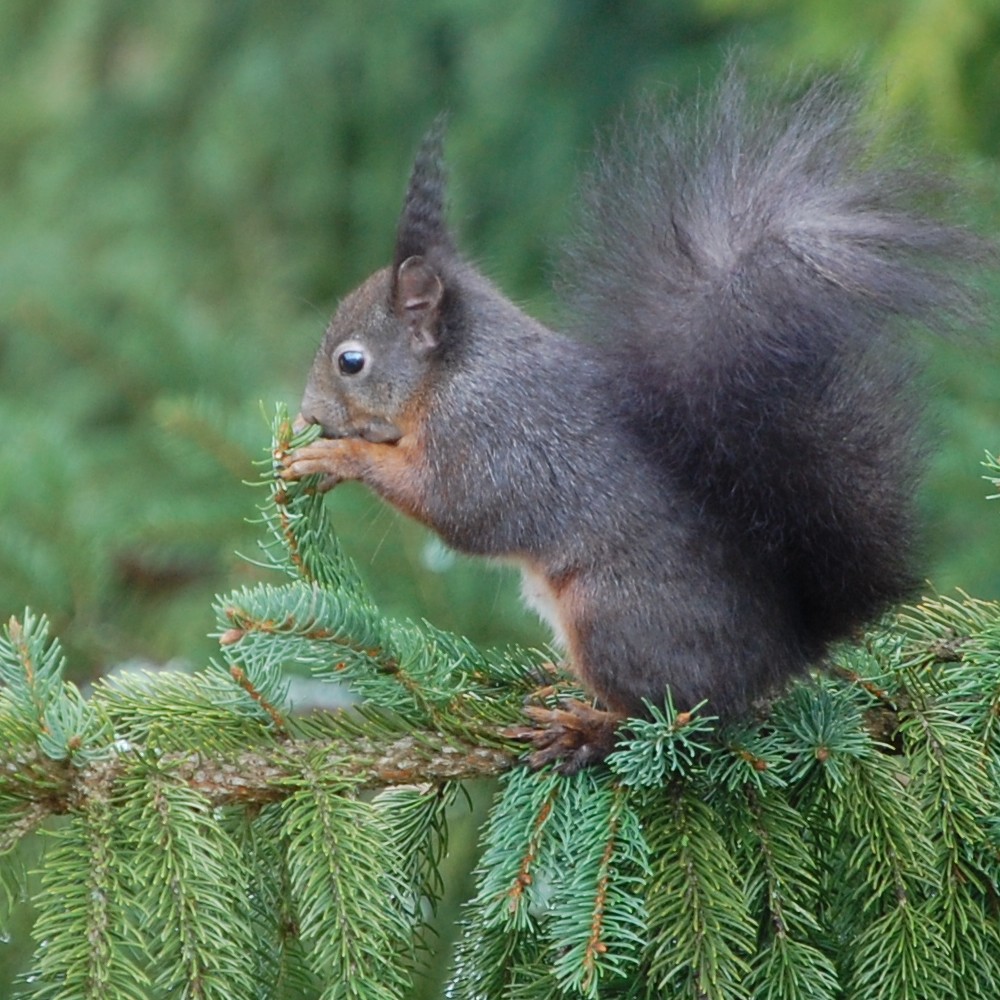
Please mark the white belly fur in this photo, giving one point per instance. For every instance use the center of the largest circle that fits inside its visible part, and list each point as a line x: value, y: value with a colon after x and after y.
x: 537, y: 595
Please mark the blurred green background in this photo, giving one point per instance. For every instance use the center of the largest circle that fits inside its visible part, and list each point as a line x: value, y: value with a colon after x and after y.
x: 186, y: 189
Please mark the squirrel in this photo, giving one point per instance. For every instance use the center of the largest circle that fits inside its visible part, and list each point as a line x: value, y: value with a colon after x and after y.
x: 710, y: 478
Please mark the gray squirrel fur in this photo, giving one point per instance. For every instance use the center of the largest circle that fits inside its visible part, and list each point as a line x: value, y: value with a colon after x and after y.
x: 710, y: 478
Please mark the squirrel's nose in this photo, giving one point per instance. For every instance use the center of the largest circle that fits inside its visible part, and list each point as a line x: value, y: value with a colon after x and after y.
x: 301, y: 422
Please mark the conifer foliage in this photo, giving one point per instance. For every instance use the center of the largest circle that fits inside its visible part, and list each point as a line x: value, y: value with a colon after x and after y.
x: 202, y: 840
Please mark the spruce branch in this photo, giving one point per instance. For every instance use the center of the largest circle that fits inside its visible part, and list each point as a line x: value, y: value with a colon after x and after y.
x: 893, y: 960
x: 417, y: 817
x: 597, y: 925
x: 248, y: 778
x: 666, y: 744
x: 188, y: 880
x: 701, y: 933
x: 300, y: 533
x: 511, y: 893
x: 783, y: 886
x: 992, y: 464
x: 846, y: 845
x: 279, y: 956
x: 91, y: 939
x: 17, y: 820
x: 355, y: 915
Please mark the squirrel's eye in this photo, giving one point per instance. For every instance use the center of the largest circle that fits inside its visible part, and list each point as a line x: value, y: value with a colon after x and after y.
x: 351, y: 361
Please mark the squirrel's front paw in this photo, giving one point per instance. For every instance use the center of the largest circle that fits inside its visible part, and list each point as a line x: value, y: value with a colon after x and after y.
x: 328, y: 457
x: 575, y: 735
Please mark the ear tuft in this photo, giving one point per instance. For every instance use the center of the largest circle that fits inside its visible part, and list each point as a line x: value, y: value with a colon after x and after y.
x: 422, y: 228
x: 417, y: 293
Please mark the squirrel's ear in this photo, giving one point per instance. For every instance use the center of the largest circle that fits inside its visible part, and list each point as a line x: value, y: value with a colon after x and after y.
x: 422, y: 227
x: 417, y: 292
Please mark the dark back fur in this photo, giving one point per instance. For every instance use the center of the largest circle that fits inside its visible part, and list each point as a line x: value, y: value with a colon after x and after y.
x: 752, y: 268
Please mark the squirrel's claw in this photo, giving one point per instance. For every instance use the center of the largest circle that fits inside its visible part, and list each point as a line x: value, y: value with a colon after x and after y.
x: 573, y: 736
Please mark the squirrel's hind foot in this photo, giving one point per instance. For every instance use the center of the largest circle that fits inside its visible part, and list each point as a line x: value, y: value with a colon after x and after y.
x: 573, y: 736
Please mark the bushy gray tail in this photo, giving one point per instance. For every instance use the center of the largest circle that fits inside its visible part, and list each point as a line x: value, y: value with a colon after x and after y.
x: 752, y: 266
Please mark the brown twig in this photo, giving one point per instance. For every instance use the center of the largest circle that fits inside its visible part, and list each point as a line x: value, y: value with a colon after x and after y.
x: 253, y: 777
